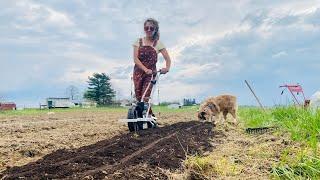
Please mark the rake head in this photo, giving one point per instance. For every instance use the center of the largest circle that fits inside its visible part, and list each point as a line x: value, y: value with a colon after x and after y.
x: 260, y: 130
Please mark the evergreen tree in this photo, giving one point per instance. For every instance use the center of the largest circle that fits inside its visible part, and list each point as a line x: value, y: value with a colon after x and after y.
x: 100, y: 89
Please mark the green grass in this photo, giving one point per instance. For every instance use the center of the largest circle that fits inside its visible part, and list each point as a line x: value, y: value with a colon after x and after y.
x: 36, y: 111
x: 202, y: 165
x: 303, y: 126
x: 302, y: 166
x: 165, y: 109
x: 252, y: 117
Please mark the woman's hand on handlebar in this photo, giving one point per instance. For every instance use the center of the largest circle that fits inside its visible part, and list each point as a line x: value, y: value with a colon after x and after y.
x: 148, y: 71
x: 164, y: 70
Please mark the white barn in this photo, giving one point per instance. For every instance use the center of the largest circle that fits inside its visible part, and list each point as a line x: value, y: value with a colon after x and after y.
x: 54, y: 102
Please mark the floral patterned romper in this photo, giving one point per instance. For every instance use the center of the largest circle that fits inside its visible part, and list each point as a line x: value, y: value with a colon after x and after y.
x: 148, y: 57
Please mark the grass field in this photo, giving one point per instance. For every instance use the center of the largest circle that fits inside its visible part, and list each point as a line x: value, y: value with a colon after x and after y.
x: 36, y: 111
x: 292, y: 154
x: 303, y: 126
x: 290, y: 151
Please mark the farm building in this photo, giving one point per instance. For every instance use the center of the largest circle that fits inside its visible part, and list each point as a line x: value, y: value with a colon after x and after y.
x: 8, y: 106
x: 56, y: 102
x: 174, y: 106
x: 88, y: 103
x: 125, y: 103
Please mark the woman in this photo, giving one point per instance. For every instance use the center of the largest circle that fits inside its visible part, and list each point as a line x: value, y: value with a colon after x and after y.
x: 145, y: 55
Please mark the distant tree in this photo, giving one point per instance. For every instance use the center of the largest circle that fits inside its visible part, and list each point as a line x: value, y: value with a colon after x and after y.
x: 189, y: 102
x: 72, y: 92
x: 100, y: 89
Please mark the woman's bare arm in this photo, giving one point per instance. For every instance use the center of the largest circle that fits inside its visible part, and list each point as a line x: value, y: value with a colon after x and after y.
x: 167, y: 58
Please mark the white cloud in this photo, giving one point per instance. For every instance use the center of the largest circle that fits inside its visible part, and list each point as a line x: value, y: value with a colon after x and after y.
x: 195, y: 71
x: 36, y: 13
x: 58, y: 18
x: 82, y: 35
x: 280, y: 54
x: 200, y: 40
x: 176, y: 91
x: 89, y: 63
x: 211, y: 52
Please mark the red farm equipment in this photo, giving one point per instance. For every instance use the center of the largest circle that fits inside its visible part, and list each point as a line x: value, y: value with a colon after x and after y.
x: 295, y: 90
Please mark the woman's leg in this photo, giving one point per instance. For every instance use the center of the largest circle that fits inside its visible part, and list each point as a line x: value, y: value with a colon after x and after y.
x: 138, y: 85
x: 146, y: 81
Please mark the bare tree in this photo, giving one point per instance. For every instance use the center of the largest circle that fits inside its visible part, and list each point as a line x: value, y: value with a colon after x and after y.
x: 72, y: 92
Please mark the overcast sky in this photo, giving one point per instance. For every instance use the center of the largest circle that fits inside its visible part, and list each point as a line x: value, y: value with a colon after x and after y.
x: 47, y: 45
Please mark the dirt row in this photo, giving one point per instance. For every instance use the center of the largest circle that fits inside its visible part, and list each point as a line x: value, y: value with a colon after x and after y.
x: 141, y: 155
x: 27, y: 138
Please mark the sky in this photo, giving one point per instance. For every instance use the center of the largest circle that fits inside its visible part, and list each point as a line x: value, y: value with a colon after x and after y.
x: 49, y: 45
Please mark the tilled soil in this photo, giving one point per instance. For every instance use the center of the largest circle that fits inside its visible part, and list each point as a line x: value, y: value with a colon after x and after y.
x: 142, y: 155
x: 26, y: 138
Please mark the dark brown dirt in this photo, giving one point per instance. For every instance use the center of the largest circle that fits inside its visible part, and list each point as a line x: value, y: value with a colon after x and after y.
x: 129, y: 156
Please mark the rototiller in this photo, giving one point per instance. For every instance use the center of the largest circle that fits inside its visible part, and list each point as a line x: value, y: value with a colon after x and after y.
x: 139, y: 116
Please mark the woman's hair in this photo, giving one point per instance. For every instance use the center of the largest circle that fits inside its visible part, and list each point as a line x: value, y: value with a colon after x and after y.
x: 156, y: 33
